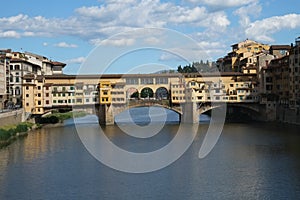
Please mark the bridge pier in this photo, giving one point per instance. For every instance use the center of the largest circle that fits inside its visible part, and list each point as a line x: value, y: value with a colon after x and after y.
x: 105, y: 114
x: 190, y: 114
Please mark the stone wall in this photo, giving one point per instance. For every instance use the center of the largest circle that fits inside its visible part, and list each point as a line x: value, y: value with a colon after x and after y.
x: 12, y: 117
x: 287, y: 115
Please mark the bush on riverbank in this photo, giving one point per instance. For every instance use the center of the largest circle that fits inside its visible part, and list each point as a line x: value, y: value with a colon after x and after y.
x: 60, y: 117
x: 7, y: 132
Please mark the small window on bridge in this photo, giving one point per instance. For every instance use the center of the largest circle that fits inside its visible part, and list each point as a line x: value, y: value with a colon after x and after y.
x: 146, y: 80
x: 132, y: 81
x: 161, y: 80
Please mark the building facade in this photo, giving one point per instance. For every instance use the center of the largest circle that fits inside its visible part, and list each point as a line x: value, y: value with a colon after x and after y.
x: 243, y: 55
x: 43, y: 93
x: 294, y: 68
x: 20, y: 64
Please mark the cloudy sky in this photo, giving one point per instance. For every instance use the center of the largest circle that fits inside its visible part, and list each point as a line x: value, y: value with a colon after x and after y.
x: 68, y: 31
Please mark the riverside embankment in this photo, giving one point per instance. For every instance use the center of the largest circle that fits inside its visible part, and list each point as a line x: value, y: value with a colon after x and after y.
x: 10, y: 132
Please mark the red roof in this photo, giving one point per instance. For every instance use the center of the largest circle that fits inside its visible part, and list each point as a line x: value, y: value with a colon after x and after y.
x: 55, y: 63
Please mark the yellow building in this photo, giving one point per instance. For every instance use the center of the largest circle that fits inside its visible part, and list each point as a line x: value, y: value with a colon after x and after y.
x: 243, y: 55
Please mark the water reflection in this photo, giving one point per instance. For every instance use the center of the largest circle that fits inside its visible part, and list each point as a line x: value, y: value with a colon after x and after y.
x: 250, y: 161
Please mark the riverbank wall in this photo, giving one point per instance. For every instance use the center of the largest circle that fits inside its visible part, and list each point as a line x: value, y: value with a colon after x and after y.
x: 12, y: 117
x: 287, y: 115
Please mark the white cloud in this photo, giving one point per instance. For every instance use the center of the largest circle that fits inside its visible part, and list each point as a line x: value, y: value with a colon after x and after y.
x: 223, y: 3
x: 65, y: 45
x: 28, y: 34
x: 263, y: 29
x: 78, y: 60
x: 152, y: 40
x: 9, y: 34
x: 113, y: 16
x: 45, y: 44
x: 114, y: 42
x: 245, y: 12
x: 119, y: 42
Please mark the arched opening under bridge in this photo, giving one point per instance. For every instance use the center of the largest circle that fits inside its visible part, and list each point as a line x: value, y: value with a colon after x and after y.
x: 143, y: 115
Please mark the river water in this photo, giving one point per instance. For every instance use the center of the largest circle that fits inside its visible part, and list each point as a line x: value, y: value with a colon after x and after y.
x: 249, y: 161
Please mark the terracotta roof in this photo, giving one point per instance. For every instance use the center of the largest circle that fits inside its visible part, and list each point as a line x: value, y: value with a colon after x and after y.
x: 55, y: 63
x: 280, y: 47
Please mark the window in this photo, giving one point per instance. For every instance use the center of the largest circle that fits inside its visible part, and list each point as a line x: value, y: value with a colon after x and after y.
x: 39, y: 103
x: 27, y: 88
x: 47, y: 94
x: 39, y: 87
x: 17, y: 91
x: 105, y: 93
x: 17, y: 67
x: 27, y: 95
x: 132, y: 81
x: 161, y: 80
x: 27, y: 104
x: 17, y: 79
x: 54, y: 101
x: 47, y: 88
x: 47, y: 102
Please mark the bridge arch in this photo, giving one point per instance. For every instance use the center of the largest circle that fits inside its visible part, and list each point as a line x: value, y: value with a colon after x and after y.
x: 147, y: 92
x: 132, y: 93
x: 118, y: 114
x: 162, y: 93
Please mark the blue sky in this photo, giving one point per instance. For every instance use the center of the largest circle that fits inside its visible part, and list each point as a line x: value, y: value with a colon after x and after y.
x: 72, y: 31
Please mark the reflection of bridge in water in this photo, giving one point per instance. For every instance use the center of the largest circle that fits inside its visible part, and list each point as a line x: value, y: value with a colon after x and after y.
x: 188, y: 95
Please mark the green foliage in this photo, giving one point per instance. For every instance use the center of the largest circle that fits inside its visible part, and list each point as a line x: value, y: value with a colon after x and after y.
x: 9, y: 131
x: 135, y: 95
x: 197, y: 67
x: 4, y: 134
x: 187, y: 69
x: 147, y: 92
x: 21, y: 128
x: 60, y: 117
x: 49, y: 120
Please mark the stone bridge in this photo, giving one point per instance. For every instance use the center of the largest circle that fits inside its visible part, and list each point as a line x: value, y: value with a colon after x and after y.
x: 188, y: 112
